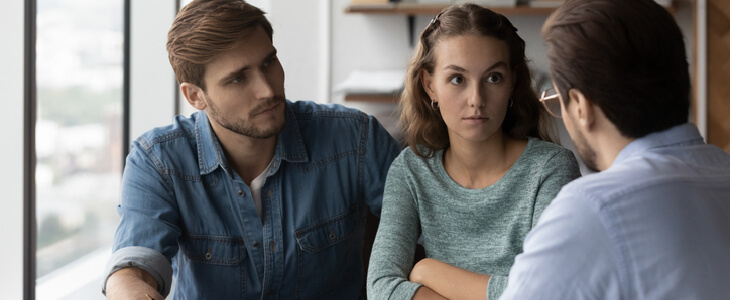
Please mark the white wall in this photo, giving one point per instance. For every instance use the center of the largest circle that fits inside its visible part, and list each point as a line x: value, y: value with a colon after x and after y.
x: 152, y: 81
x: 301, y: 38
x: 11, y: 152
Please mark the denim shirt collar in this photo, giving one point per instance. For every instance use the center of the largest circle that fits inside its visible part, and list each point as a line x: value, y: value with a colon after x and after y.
x: 289, y: 144
x: 684, y: 134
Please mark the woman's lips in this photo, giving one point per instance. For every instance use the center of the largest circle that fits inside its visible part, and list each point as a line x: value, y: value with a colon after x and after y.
x: 476, y: 119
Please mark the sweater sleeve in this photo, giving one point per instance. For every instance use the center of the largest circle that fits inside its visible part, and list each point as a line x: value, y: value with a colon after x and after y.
x: 558, y: 170
x: 391, y: 259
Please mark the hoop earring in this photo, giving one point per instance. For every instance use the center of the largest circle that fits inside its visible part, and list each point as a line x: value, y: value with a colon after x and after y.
x: 511, y: 102
x: 434, y: 106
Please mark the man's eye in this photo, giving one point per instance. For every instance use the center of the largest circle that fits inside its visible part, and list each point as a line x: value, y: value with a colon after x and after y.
x: 494, y: 78
x: 269, y: 61
x: 456, y: 80
x: 236, y: 79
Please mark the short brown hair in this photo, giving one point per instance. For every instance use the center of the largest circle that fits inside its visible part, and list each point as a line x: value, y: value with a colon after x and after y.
x: 206, y: 28
x: 425, y: 126
x: 626, y: 56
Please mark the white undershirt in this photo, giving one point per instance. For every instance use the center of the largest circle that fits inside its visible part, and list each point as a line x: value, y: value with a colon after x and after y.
x: 255, y: 188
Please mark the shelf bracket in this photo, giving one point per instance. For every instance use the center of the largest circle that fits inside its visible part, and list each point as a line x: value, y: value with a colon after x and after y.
x: 411, y: 19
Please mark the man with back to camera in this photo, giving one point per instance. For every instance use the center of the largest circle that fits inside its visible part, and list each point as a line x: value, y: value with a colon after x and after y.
x: 253, y: 196
x: 655, y: 222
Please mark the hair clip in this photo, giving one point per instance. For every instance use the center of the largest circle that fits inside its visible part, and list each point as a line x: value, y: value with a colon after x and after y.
x: 436, y: 18
x: 510, y: 24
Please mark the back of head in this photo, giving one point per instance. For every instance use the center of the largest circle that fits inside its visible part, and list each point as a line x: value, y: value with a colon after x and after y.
x: 206, y: 28
x: 626, y: 56
x: 424, y: 125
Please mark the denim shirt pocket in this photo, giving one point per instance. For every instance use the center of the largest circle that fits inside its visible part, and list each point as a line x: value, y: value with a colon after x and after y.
x: 328, y: 255
x: 216, y: 263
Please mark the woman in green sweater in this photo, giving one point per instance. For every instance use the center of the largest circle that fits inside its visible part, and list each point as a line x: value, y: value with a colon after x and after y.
x: 480, y: 167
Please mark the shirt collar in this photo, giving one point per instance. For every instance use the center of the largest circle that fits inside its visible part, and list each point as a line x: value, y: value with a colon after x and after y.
x: 289, y: 143
x: 685, y: 134
x: 210, y: 152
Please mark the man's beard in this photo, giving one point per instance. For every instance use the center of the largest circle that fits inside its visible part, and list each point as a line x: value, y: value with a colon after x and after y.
x: 240, y: 126
x: 586, y: 153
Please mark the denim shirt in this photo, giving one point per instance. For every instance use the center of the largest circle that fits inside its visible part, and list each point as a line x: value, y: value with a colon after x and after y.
x: 182, y: 203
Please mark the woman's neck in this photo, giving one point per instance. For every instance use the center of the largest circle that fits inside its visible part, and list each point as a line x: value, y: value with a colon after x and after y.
x: 478, y: 165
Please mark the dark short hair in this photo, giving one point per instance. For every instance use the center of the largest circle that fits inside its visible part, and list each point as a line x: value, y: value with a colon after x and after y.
x: 425, y: 126
x: 626, y: 56
x: 204, y: 29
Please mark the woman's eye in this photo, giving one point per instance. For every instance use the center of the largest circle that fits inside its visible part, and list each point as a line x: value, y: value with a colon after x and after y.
x: 494, y: 78
x: 456, y: 80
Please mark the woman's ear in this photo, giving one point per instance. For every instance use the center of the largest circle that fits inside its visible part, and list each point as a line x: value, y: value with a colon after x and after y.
x: 426, y: 82
x: 194, y: 94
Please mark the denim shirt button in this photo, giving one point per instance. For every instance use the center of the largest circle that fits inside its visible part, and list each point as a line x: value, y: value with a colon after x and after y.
x: 208, y: 255
x: 255, y: 244
x: 273, y: 246
x: 241, y: 193
x: 268, y: 194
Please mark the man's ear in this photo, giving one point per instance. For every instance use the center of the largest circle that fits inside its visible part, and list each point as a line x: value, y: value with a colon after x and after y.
x: 195, y: 95
x: 426, y: 82
x: 581, y: 108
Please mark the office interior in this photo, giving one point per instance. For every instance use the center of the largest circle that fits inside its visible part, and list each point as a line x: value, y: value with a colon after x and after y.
x: 84, y: 77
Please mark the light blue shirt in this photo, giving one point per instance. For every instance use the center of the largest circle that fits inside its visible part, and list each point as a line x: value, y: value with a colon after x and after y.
x: 184, y: 208
x: 655, y: 225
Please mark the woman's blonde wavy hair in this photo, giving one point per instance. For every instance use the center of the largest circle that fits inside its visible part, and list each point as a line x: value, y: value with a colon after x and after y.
x: 423, y: 125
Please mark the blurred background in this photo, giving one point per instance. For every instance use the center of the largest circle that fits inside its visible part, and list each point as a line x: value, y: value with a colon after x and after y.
x: 85, y: 77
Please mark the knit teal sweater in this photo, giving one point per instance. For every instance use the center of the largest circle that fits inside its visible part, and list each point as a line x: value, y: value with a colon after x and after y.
x: 480, y: 230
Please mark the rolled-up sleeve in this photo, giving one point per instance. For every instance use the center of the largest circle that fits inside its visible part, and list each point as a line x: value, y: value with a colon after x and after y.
x: 149, y: 260
x: 148, y: 230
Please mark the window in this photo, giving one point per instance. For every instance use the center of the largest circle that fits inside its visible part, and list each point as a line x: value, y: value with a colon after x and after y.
x: 78, y: 142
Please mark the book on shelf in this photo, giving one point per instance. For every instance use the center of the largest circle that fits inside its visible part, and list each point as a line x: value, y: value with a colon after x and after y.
x: 373, y: 82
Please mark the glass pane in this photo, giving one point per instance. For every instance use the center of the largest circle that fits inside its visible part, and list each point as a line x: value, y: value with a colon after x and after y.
x: 79, y: 56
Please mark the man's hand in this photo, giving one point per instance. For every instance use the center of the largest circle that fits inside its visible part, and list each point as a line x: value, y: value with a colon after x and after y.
x: 132, y: 283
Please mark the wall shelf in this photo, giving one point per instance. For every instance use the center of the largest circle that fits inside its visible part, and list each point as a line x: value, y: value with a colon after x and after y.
x: 380, y: 98
x: 413, y: 9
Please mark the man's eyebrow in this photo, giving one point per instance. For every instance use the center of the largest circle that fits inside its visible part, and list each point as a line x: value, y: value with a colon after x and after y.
x: 234, y: 73
x: 271, y: 55
x: 243, y: 69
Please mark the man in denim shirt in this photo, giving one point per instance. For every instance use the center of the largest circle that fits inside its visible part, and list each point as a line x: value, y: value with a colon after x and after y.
x: 253, y: 196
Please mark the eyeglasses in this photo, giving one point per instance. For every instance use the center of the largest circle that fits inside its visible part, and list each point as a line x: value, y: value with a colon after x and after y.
x: 551, y: 100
